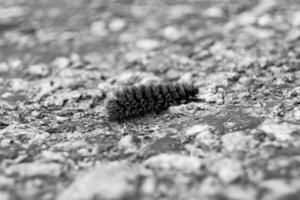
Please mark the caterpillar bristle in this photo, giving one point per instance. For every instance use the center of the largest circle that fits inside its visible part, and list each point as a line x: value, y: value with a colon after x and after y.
x: 134, y: 101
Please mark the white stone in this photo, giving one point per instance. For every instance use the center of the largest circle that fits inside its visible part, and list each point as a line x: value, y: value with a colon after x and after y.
x: 107, y: 181
x: 35, y: 169
x: 227, y: 169
x: 207, y: 138
x: 126, y: 142
x: 198, y: 129
x: 61, y: 62
x: 297, y: 113
x: 147, y: 44
x: 98, y: 28
x: 281, y: 131
x: 172, y: 33
x: 213, y: 12
x: 236, y: 141
x: 3, y: 67
x: 117, y: 25
x: 187, y: 164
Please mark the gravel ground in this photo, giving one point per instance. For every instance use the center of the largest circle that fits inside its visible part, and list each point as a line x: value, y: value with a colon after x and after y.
x: 60, y: 59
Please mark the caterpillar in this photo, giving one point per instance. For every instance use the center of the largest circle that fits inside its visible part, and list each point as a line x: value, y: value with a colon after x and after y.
x: 134, y: 101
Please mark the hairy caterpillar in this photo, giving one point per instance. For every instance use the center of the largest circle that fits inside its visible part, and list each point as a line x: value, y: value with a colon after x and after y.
x: 136, y: 101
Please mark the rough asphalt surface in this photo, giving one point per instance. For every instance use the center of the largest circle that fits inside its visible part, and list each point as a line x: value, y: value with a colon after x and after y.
x: 60, y: 59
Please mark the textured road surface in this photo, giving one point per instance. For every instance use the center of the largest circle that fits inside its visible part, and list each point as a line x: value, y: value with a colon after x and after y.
x: 60, y: 59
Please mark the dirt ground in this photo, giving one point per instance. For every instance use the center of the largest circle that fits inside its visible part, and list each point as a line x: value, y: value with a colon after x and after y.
x: 60, y: 59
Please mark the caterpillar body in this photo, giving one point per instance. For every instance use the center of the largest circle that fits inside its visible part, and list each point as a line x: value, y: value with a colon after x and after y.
x: 134, y: 101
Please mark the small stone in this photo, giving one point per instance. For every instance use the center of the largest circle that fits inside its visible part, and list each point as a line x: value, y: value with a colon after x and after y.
x: 69, y: 145
x: 111, y: 181
x: 4, y: 195
x: 39, y: 70
x: 210, y: 96
x: 247, y: 18
x: 6, y: 142
x: 172, y: 33
x: 180, y: 10
x: 265, y: 20
x: 227, y: 169
x: 173, y: 74
x: 11, y: 15
x: 148, y: 186
x: 134, y: 56
x: 18, y: 84
x: 61, y: 98
x: 296, y: 19
x: 186, y: 164
x: 186, y: 78
x: 61, y: 62
x: 241, y: 192
x: 35, y: 169
x: 98, y: 28
x: 295, y: 92
x: 126, y: 142
x: 293, y: 35
x: 281, y: 131
x: 297, y: 113
x: 6, y: 182
x: 147, y: 44
x: 15, y: 63
x: 207, y: 138
x: 210, y: 186
x: 280, y: 187
x: 196, y: 129
x: 52, y: 156
x: 214, y: 12
x: 117, y: 25
x: 161, y: 145
x: 4, y: 67
x: 238, y: 141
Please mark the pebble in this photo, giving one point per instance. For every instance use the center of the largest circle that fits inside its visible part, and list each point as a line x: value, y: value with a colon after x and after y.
x: 296, y: 19
x: 52, y: 156
x: 18, y: 84
x: 280, y: 188
x: 207, y: 138
x: 241, y: 192
x: 5, y: 182
x: 147, y: 44
x: 69, y: 145
x: 4, y: 195
x: 126, y: 142
x: 61, y: 62
x: 210, y: 96
x: 180, y: 10
x: 295, y: 92
x: 227, y: 169
x: 108, y: 181
x: 265, y: 20
x: 297, y: 113
x: 183, y: 163
x: 10, y: 15
x: 281, y: 131
x: 35, y: 169
x: 61, y: 98
x: 98, y: 28
x: 172, y: 33
x: 196, y: 129
x: 214, y: 12
x: 117, y: 25
x: 39, y: 69
x: 210, y: 186
x: 3, y: 67
x: 238, y: 141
